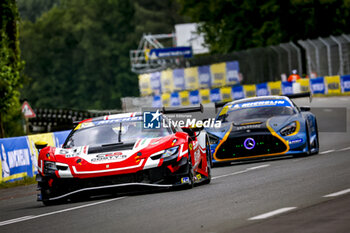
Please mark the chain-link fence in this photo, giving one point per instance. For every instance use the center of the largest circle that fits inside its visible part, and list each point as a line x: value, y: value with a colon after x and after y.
x: 317, y: 57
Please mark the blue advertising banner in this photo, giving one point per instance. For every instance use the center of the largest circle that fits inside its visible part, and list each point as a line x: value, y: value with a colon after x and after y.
x: 345, y: 83
x: 155, y: 82
x: 174, y: 99
x: 16, y: 159
x: 317, y: 85
x: 287, y: 88
x: 60, y: 137
x: 262, y: 89
x: 204, y: 76
x: 185, y: 51
x: 215, y: 95
x: 157, y: 101
x: 179, y: 79
x: 232, y: 71
x: 237, y: 92
x: 194, y: 97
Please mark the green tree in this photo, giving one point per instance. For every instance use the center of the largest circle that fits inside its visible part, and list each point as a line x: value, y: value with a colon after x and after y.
x: 232, y: 25
x: 77, y: 55
x: 10, y: 66
x: 33, y: 9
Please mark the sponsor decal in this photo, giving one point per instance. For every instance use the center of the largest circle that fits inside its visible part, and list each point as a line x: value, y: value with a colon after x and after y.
x: 248, y: 127
x: 295, y: 141
x: 111, y: 156
x: 249, y: 143
x: 264, y: 103
x: 185, y: 180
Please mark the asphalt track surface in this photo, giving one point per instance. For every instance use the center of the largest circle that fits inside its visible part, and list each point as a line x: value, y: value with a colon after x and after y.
x: 307, y: 194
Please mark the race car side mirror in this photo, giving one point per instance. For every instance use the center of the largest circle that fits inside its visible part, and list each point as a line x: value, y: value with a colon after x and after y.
x: 40, y: 145
x: 305, y: 108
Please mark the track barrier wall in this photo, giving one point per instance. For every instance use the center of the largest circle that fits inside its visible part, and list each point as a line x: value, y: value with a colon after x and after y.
x: 19, y: 155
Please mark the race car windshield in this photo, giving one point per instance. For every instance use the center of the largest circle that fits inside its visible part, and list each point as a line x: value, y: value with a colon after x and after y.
x: 118, y: 132
x: 253, y: 113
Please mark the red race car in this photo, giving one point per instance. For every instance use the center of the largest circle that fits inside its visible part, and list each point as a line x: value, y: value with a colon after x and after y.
x: 118, y: 152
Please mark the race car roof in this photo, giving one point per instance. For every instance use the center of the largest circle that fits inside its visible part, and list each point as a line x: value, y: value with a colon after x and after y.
x: 260, y: 98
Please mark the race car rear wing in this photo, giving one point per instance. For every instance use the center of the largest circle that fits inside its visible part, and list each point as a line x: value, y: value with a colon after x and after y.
x: 182, y: 109
x: 300, y: 95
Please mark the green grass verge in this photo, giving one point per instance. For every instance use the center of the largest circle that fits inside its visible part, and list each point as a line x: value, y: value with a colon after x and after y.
x: 25, y: 181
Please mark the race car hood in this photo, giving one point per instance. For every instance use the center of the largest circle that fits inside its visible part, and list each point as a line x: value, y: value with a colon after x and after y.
x: 251, y: 125
x: 130, y: 157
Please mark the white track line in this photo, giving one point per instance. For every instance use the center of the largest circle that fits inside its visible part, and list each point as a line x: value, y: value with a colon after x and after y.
x: 240, y: 172
x: 338, y: 193
x: 21, y: 219
x: 326, y: 152
x: 272, y: 213
x: 344, y: 149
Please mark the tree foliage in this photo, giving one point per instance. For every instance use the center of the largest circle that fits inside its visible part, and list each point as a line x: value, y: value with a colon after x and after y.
x: 10, y: 65
x: 77, y: 55
x: 232, y: 25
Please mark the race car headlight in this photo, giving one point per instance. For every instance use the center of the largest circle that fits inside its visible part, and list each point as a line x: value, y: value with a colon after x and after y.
x: 49, y: 167
x: 169, y: 152
x: 213, y: 139
x: 289, y: 129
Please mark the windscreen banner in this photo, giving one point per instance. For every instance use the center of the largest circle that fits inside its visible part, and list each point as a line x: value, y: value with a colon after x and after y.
x: 166, y: 99
x: 184, y: 98
x: 232, y: 72
x: 204, y: 95
x: 249, y: 90
x: 317, y: 85
x: 167, y: 81
x: 215, y: 95
x: 155, y: 83
x: 275, y: 88
x: 345, y: 83
x: 262, y: 89
x: 238, y: 92
x: 304, y: 84
x: 157, y: 101
x: 218, y: 74
x: 174, y: 99
x: 145, y: 84
x: 191, y: 78
x: 226, y: 94
x: 18, y: 155
x: 204, y: 76
x: 194, y: 97
x: 333, y: 84
x: 179, y: 79
x: 287, y: 88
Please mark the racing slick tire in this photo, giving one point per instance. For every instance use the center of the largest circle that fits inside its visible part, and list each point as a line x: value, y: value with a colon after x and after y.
x: 209, y: 162
x: 190, y: 173
x: 308, y: 152
x: 316, y: 142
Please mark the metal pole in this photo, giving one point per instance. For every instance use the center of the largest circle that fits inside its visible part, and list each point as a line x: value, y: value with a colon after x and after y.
x: 317, y: 57
x: 308, y: 57
x: 299, y: 56
x: 347, y: 37
x: 279, y: 58
x: 330, y: 72
x: 340, y: 46
x: 283, y: 46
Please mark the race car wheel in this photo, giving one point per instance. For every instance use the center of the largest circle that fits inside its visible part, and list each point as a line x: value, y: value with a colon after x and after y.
x: 209, y: 163
x: 190, y: 173
x: 46, y: 197
x: 316, y: 143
